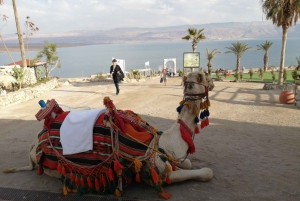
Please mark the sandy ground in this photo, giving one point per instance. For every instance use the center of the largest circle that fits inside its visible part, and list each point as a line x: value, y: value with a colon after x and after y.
x: 252, y: 143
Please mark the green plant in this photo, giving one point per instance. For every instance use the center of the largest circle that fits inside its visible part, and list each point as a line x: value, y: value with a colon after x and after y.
x: 241, y: 75
x: 295, y: 75
x: 225, y: 73
x: 284, y: 76
x: 209, y: 71
x: 265, y: 46
x: 210, y: 56
x: 273, y: 75
x: 180, y: 73
x: 217, y: 74
x: 236, y: 76
x: 251, y: 73
x: 194, y: 35
x: 261, y: 73
x: 18, y: 74
x: 39, y: 73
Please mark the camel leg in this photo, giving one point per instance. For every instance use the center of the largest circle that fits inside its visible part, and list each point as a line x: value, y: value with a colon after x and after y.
x: 203, y: 174
x: 185, y: 164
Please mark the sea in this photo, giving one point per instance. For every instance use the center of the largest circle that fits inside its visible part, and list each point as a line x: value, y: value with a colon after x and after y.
x: 84, y: 61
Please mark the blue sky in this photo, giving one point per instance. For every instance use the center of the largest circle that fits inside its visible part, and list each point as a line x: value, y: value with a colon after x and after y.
x: 59, y: 16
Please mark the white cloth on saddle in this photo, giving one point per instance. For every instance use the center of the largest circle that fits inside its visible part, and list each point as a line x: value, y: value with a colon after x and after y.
x: 76, y: 131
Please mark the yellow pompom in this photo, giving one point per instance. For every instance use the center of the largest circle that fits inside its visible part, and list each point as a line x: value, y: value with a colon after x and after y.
x: 137, y: 165
x: 65, y: 190
x: 168, y: 168
x: 118, y: 193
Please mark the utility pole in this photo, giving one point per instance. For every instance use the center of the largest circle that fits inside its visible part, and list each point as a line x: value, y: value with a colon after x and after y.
x: 20, y: 36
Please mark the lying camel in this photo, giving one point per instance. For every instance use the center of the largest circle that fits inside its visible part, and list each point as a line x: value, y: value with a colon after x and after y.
x: 176, y: 142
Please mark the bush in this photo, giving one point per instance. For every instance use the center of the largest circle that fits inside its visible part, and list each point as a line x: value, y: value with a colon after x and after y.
x: 217, y: 74
x: 273, y: 75
x: 261, y: 73
x: 18, y: 74
x: 241, y: 75
x: 251, y: 73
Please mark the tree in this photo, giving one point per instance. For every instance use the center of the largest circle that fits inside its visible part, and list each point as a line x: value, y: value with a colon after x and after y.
x: 30, y: 28
x: 238, y: 49
x: 194, y: 35
x: 265, y: 46
x: 210, y: 56
x: 283, y: 13
x: 50, y: 52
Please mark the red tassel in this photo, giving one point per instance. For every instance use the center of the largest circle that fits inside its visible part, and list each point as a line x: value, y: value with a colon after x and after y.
x: 187, y: 138
x: 154, y: 175
x: 82, y: 181
x: 97, y: 184
x: 168, y: 180
x: 174, y: 168
x: 90, y: 183
x: 117, y: 165
x: 197, y: 129
x: 137, y: 178
x: 207, y: 121
x: 202, y: 124
x: 63, y: 171
x: 59, y: 168
x: 77, y: 182
x: 40, y: 170
x: 103, y: 180
x: 110, y: 174
x: 72, y: 178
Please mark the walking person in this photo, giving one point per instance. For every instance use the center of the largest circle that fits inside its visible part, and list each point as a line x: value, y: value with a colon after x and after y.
x: 117, y: 74
x: 164, y: 75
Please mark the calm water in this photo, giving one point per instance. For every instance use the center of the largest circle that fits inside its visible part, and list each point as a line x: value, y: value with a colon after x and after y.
x: 89, y: 60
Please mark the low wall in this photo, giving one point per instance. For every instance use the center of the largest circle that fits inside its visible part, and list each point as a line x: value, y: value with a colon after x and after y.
x: 26, y: 93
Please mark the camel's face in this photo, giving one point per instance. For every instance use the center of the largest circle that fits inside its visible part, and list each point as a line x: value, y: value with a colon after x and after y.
x: 194, y: 83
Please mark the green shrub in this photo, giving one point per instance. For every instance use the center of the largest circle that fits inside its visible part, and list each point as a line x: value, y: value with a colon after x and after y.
x: 251, y: 73
x: 261, y: 73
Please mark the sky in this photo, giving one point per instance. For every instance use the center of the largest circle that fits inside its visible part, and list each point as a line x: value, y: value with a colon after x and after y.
x: 61, y: 16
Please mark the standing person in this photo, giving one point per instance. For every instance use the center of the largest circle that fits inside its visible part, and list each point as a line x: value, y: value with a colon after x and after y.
x: 117, y: 74
x: 164, y: 73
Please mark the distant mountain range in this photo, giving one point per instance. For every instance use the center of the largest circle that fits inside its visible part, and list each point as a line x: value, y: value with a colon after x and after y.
x: 214, y: 31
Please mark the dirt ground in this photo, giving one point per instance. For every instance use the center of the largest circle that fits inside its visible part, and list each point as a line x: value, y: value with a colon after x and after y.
x: 252, y: 143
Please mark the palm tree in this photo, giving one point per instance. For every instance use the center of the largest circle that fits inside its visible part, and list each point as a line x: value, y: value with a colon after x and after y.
x: 195, y: 35
x: 210, y: 56
x: 238, y: 49
x: 283, y: 13
x: 265, y: 46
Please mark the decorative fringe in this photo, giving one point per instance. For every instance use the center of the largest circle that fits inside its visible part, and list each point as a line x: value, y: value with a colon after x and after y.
x: 110, y: 174
x: 197, y: 129
x: 195, y: 110
x: 154, y: 175
x: 174, y: 168
x: 196, y: 120
x: 204, y: 105
x: 118, y: 193
x: 117, y: 165
x: 169, y: 158
x: 82, y: 181
x: 138, y: 178
x: 97, y: 184
x: 181, y: 102
x: 202, y: 115
x: 90, y: 183
x: 202, y: 124
x: 40, y: 170
x: 208, y: 103
x: 65, y: 190
x: 159, y: 132
x: 189, y: 104
x: 59, y: 168
x: 163, y: 158
x: 103, y: 180
x: 201, y: 106
x: 168, y: 168
x: 179, y: 108
x: 72, y: 178
x: 63, y: 171
x: 137, y: 165
x: 186, y: 137
x: 77, y: 182
x: 168, y: 180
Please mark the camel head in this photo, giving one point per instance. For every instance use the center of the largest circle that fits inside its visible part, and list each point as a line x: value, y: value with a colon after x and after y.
x: 195, y: 83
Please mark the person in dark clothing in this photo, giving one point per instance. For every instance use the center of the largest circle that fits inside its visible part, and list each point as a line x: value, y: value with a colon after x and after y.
x: 117, y: 74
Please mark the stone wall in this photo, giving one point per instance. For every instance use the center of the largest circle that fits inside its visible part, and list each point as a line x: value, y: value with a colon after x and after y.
x: 26, y: 93
x: 29, y: 78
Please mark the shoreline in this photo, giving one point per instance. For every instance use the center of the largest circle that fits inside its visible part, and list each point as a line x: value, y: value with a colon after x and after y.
x: 16, y: 48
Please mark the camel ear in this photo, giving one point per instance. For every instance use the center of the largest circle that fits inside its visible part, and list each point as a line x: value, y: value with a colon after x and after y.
x: 200, y: 78
x: 184, y: 78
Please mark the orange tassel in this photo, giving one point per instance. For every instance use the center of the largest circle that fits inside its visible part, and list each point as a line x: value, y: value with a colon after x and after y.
x: 97, y: 184
x: 168, y: 168
x: 72, y: 178
x: 40, y: 170
x: 165, y: 195
x: 90, y: 183
x: 59, y: 168
x: 168, y: 180
x: 117, y: 165
x: 197, y: 129
x: 154, y: 175
x: 103, y: 180
x: 82, y: 181
x: 137, y: 178
x: 77, y: 182
x: 110, y: 174
x: 63, y: 171
x: 174, y: 167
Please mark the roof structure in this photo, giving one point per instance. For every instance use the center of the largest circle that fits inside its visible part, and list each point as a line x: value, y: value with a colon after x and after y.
x: 37, y: 63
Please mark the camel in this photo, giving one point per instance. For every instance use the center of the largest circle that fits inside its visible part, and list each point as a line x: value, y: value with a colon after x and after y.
x: 176, y: 148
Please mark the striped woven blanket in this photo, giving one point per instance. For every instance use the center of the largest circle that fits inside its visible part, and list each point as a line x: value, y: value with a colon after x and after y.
x: 103, y: 142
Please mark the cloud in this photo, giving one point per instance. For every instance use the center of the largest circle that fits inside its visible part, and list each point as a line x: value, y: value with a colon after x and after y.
x: 57, y: 16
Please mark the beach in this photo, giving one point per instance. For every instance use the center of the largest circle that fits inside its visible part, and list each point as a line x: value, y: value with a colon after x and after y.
x: 252, y: 143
